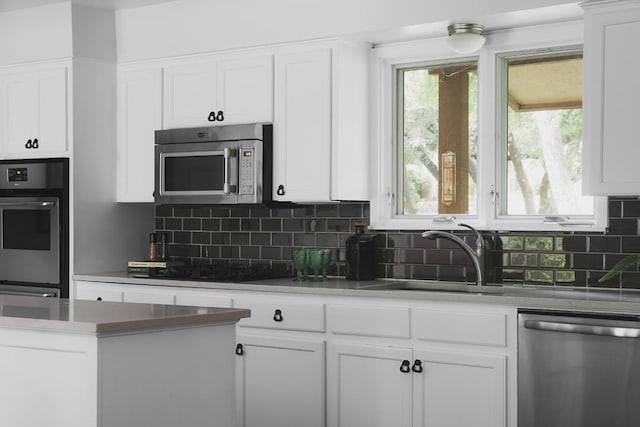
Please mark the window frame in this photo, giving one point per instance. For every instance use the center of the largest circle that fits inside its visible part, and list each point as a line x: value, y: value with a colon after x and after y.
x: 387, y: 57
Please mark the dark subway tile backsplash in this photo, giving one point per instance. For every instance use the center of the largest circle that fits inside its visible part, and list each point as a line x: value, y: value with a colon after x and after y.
x: 263, y: 235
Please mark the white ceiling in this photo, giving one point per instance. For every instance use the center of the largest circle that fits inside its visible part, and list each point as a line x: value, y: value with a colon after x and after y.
x: 8, y: 5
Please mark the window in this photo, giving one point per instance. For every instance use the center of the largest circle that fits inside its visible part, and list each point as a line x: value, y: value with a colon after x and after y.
x: 437, y: 133
x: 493, y: 140
x: 541, y: 145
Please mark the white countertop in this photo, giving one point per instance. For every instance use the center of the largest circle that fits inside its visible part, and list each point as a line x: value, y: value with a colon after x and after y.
x: 102, y: 317
x: 569, y: 298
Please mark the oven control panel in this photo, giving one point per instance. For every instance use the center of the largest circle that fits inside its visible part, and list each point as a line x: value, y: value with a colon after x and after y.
x: 36, y: 174
x: 17, y: 174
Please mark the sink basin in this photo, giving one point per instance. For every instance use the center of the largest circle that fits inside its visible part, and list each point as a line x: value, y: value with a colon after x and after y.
x: 566, y: 293
x: 441, y: 287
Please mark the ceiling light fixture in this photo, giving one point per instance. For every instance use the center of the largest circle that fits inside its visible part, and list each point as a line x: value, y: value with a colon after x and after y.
x: 466, y: 38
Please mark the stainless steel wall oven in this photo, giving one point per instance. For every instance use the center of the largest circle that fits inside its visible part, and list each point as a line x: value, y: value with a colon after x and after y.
x: 34, y: 225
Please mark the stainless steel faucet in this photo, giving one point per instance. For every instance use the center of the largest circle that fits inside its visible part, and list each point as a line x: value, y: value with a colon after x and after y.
x: 477, y: 255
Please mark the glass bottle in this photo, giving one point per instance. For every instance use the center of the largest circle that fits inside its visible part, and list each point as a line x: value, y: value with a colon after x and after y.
x: 153, y: 247
x: 360, y: 254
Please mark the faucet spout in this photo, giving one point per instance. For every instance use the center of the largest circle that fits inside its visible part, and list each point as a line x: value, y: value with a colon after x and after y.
x: 476, y: 255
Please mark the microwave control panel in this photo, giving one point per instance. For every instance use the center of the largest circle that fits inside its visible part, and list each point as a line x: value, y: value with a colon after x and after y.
x: 246, y: 173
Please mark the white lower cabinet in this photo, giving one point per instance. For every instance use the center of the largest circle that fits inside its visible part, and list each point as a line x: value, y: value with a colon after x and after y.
x: 98, y: 291
x: 365, y: 386
x: 280, y: 382
x: 372, y: 385
x: 457, y: 388
x: 347, y: 361
x: 150, y: 296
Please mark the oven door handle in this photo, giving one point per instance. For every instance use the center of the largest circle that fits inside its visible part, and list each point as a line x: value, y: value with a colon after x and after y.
x: 573, y: 328
x: 228, y: 187
x: 34, y: 203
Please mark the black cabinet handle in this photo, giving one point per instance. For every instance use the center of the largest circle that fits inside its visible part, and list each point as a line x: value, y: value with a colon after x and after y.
x: 32, y: 144
x: 99, y: 299
x: 239, y: 350
x: 417, y: 366
x: 216, y: 116
x: 280, y: 190
x: 405, y: 367
x: 277, y: 316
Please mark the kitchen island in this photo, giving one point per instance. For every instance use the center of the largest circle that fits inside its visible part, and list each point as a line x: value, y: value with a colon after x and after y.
x: 106, y: 364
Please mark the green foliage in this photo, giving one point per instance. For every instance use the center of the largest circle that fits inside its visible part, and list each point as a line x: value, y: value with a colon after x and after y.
x: 622, y: 265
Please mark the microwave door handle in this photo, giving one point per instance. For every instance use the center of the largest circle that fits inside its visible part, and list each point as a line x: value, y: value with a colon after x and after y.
x: 228, y: 188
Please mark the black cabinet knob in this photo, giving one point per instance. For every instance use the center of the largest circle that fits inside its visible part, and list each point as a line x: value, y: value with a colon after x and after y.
x: 405, y: 367
x: 239, y: 349
x: 417, y: 366
x: 35, y: 144
x: 99, y: 299
x: 280, y: 190
x: 277, y: 316
x: 28, y: 144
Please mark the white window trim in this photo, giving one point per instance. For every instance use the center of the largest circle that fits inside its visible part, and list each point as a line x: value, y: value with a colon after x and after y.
x: 385, y: 57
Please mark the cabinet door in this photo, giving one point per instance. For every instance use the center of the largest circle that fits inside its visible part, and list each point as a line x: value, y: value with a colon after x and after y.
x: 302, y: 126
x: 245, y: 90
x: 190, y: 94
x: 139, y: 115
x: 34, y: 112
x: 280, y: 382
x: 611, y: 109
x: 367, y: 388
x: 459, y: 389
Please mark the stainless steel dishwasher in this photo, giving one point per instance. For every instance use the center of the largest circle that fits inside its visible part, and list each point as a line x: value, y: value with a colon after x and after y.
x: 578, y: 369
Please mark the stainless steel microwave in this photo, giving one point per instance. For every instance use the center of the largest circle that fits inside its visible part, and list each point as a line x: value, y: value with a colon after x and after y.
x: 214, y: 165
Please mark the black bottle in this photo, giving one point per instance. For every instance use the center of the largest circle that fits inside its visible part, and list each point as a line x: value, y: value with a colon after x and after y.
x: 361, y: 255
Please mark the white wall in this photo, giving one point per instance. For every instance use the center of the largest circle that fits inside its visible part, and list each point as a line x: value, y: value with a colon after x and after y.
x: 94, y: 33
x: 194, y: 26
x: 36, y: 34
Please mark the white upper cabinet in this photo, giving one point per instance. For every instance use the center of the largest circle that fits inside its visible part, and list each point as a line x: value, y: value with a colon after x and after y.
x: 320, y: 123
x: 219, y: 92
x: 139, y: 116
x: 245, y: 90
x: 302, y: 126
x: 611, y: 109
x: 33, y: 111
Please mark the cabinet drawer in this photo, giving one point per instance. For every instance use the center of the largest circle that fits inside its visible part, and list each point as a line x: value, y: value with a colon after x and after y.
x: 393, y: 322
x: 461, y: 327
x: 289, y: 315
x: 97, y: 292
x: 203, y: 299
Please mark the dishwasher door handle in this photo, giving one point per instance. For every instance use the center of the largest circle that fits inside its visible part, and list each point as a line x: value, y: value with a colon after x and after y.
x: 575, y: 328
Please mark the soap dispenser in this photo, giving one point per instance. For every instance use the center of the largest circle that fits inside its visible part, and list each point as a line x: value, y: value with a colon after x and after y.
x: 360, y: 254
